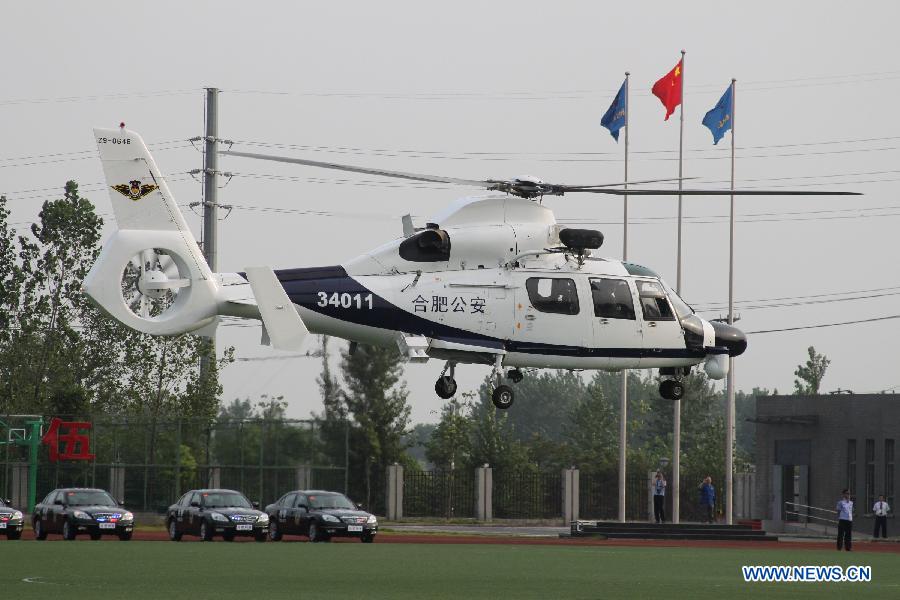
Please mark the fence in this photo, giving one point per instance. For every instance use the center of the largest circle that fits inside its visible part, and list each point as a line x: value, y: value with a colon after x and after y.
x: 448, y: 494
x: 151, y: 462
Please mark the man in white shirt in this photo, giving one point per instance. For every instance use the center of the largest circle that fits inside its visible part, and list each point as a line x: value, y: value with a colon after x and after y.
x: 845, y: 521
x: 881, y: 509
x: 659, y: 497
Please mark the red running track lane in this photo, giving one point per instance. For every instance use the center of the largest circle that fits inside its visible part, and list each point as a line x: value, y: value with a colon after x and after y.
x: 392, y: 538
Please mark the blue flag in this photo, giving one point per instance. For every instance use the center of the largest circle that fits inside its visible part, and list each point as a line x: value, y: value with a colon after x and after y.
x: 616, y: 116
x: 719, y: 118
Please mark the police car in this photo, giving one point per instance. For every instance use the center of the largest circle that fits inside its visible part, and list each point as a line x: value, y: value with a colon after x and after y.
x: 11, y: 521
x: 71, y: 511
x: 320, y: 515
x: 206, y: 513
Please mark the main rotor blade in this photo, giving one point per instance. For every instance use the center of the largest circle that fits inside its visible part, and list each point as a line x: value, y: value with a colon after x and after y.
x: 354, y: 169
x: 640, y: 192
x: 587, y: 188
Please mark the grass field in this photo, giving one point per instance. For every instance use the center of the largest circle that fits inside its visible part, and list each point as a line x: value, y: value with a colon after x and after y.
x: 137, y: 570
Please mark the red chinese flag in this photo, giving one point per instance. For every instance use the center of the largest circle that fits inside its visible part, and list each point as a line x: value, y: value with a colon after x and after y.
x: 668, y: 89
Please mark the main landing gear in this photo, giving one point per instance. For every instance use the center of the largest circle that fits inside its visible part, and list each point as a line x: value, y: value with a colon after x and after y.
x: 445, y: 386
x: 501, y: 395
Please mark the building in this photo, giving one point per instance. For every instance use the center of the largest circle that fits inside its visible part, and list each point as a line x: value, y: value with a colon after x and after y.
x: 808, y: 448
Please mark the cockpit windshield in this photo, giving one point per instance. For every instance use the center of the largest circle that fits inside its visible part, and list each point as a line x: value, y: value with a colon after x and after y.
x: 682, y: 309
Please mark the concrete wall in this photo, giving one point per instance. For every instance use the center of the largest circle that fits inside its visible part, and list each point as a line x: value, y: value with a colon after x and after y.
x: 837, y: 419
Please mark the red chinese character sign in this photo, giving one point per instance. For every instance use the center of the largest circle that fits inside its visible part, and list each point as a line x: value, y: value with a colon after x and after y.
x: 75, y: 444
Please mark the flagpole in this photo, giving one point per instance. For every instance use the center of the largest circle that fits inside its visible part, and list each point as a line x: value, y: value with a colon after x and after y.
x: 623, y: 398
x: 729, y: 406
x: 676, y: 419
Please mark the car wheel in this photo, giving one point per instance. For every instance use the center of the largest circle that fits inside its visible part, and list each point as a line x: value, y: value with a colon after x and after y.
x: 206, y: 532
x: 174, y: 534
x: 126, y: 535
x: 39, y: 532
x: 69, y: 530
x: 95, y: 536
x: 314, y: 534
x: 367, y: 538
x: 13, y: 535
x: 274, y: 532
x: 228, y: 537
x: 261, y: 536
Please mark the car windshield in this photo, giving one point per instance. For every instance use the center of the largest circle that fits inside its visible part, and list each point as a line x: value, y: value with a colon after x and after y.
x: 225, y: 500
x: 90, y: 498
x: 330, y: 501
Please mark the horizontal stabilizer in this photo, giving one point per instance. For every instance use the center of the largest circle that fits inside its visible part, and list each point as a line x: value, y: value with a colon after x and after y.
x: 284, y: 326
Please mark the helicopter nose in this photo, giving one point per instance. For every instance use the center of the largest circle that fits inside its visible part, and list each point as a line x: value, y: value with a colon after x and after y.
x: 730, y: 337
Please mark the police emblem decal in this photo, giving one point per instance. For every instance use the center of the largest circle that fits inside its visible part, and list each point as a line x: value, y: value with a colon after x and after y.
x: 134, y: 189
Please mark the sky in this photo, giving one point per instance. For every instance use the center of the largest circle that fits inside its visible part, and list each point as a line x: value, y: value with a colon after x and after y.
x: 490, y: 90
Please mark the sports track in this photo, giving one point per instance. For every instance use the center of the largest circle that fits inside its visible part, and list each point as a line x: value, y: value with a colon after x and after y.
x: 390, y: 537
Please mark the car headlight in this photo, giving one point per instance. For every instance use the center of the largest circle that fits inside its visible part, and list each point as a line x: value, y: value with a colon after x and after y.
x: 372, y: 520
x: 330, y: 518
x: 16, y: 516
x: 219, y: 517
x: 127, y: 516
x: 80, y: 514
x: 262, y: 519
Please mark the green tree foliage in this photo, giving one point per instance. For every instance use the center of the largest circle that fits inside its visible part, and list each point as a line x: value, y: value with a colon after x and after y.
x: 450, y: 443
x: 60, y: 355
x: 259, y: 433
x: 811, y: 374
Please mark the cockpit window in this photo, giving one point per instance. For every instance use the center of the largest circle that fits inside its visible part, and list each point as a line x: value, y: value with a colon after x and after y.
x: 431, y: 245
x: 553, y: 295
x: 653, y: 302
x: 612, y: 299
x: 682, y: 308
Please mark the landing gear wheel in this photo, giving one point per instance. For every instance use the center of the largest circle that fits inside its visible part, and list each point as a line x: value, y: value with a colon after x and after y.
x: 445, y: 387
x: 125, y: 536
x: 671, y: 389
x: 69, y: 531
x: 515, y: 375
x: 206, y: 532
x: 39, y: 532
x: 174, y: 534
x: 503, y: 397
x: 274, y: 532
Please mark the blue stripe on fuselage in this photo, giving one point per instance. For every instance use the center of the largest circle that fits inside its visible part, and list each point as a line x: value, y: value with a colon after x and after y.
x: 303, y: 287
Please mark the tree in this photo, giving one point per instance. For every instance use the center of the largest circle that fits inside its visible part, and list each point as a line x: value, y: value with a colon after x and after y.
x: 377, y: 400
x: 592, y: 431
x: 450, y: 444
x: 810, y: 374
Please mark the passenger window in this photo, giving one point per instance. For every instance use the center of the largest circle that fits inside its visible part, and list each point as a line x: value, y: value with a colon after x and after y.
x: 288, y: 500
x: 301, y: 500
x: 185, y: 500
x: 195, y: 497
x: 612, y: 299
x: 553, y: 295
x: 653, y: 302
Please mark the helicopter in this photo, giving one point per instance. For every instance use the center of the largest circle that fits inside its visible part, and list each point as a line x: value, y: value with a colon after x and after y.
x: 491, y: 280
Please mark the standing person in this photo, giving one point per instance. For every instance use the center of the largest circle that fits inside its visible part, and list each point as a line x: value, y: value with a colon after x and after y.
x: 845, y: 521
x: 881, y: 509
x: 708, y: 499
x: 659, y: 497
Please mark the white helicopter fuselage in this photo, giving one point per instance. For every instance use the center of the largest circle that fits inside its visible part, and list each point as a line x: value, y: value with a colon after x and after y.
x: 492, y: 280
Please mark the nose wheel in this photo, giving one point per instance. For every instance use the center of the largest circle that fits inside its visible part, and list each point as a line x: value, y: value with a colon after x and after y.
x: 445, y: 386
x: 502, y: 395
x: 671, y: 389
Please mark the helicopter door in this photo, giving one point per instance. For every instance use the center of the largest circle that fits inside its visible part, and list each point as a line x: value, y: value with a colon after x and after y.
x: 548, y: 312
x: 615, y: 327
x: 661, y: 330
